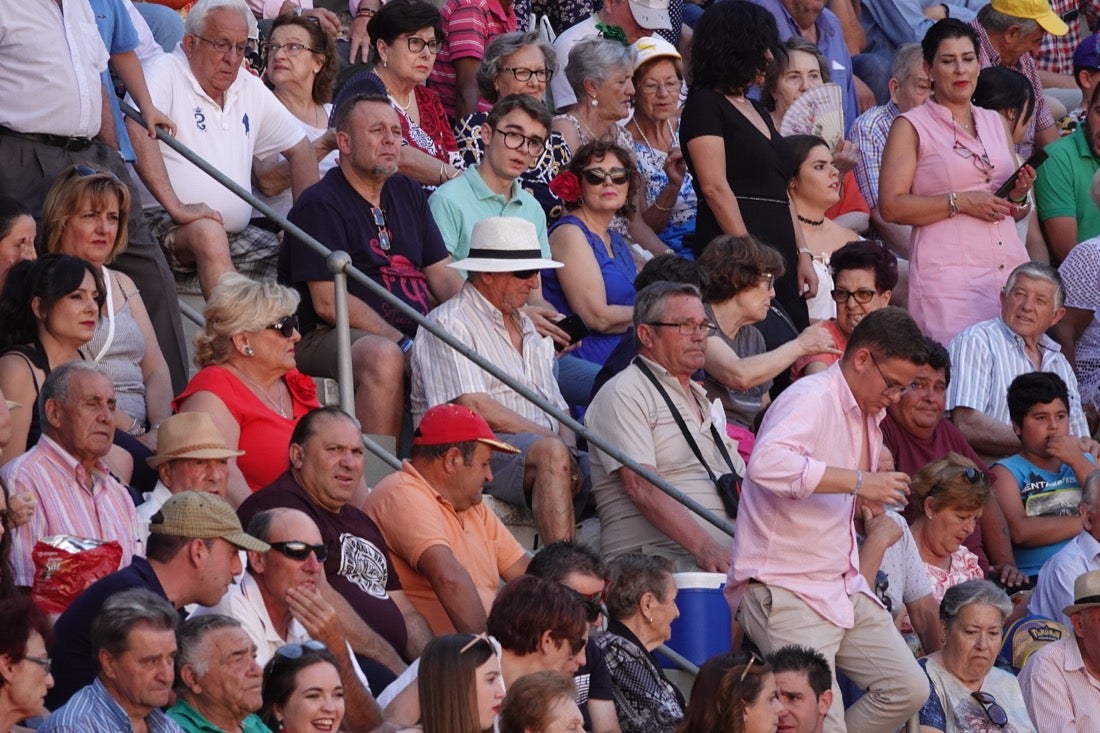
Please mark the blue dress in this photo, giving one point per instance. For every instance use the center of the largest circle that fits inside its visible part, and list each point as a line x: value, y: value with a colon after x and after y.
x: 618, y: 280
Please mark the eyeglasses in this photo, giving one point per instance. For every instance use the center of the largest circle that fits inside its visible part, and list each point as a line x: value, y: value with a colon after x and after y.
x: 524, y: 274
x: 996, y: 714
x: 295, y: 651
x: 688, y: 328
x: 383, y: 230
x: 596, y: 176
x: 522, y: 74
x: 516, y: 140
x: 417, y: 44
x: 477, y: 638
x: 753, y: 659
x: 862, y: 296
x: 767, y: 280
x: 45, y: 662
x: 293, y: 50
x: 892, y: 390
x: 980, y: 161
x: 651, y: 88
x: 297, y: 550
x: 286, y: 325
x: 226, y: 47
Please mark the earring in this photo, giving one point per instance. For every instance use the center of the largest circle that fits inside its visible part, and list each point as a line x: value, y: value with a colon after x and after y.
x: 249, y: 351
x: 595, y: 102
x: 385, y: 63
x: 649, y: 619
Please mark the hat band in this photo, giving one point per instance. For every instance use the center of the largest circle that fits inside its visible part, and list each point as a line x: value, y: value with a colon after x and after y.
x: 1086, y: 599
x: 197, y: 446
x: 499, y: 254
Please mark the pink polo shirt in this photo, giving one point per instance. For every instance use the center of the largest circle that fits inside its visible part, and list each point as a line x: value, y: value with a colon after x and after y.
x: 788, y: 536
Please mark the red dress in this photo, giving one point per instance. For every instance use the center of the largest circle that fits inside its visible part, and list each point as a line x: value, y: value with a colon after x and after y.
x: 265, y: 434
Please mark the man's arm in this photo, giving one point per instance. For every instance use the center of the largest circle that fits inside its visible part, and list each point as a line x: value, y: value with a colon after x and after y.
x: 500, y: 418
x: 896, y: 236
x: 924, y: 616
x: 1061, y: 235
x: 360, y: 315
x: 986, y: 434
x: 419, y: 633
x: 150, y: 167
x: 1046, y: 135
x: 363, y: 639
x: 674, y: 520
x: 454, y: 588
x: 444, y: 282
x: 128, y: 68
x: 303, y: 166
x: 466, y: 93
x: 1029, y: 531
x: 854, y: 36
x: 320, y: 621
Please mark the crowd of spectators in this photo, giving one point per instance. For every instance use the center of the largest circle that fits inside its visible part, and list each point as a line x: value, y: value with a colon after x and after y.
x: 869, y: 352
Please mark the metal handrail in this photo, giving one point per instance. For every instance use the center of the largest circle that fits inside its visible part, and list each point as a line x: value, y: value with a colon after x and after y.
x: 344, y: 265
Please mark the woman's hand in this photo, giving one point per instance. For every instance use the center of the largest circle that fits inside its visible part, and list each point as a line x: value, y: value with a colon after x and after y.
x: 675, y: 167
x: 983, y: 205
x: 845, y: 157
x: 807, y: 278
x: 1024, y: 181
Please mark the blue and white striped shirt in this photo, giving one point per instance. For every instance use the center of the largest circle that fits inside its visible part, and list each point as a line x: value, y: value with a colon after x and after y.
x: 93, y: 710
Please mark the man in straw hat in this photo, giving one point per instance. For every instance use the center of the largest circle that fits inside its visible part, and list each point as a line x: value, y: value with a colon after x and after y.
x: 452, y: 559
x: 191, y: 456
x: 503, y: 265
x: 1061, y: 681
x: 191, y: 557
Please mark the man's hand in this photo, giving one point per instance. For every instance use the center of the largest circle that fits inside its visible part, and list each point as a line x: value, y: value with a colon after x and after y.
x: 712, y: 557
x: 545, y: 321
x: 359, y: 39
x: 316, y: 615
x: 154, y: 118
x: 187, y: 213
x: 1066, y: 448
x: 807, y: 278
x: 845, y: 157
x: 328, y: 20
x: 888, y: 487
x: 21, y: 508
x: 1090, y: 446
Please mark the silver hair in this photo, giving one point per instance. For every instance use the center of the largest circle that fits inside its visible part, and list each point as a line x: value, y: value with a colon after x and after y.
x: 1090, y: 494
x: 1039, y: 271
x: 649, y: 303
x: 994, y: 21
x: 967, y: 593
x: 195, y: 24
x: 593, y: 59
x: 503, y: 46
x: 190, y: 638
x: 124, y: 610
x: 59, y: 381
x: 906, y: 57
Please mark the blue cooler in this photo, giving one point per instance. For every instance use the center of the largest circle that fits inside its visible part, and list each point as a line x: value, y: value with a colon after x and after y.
x: 703, y: 628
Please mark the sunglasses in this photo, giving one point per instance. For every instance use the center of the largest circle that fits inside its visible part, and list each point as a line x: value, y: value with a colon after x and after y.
x: 882, y: 586
x: 996, y: 714
x: 524, y: 274
x: 596, y: 176
x: 87, y: 170
x: 973, y: 475
x: 286, y: 325
x: 753, y: 659
x: 477, y: 638
x: 295, y: 651
x: 592, y: 602
x: 296, y: 550
x: 383, y: 230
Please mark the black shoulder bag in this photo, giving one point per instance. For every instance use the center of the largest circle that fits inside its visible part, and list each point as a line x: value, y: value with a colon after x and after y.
x: 728, y: 484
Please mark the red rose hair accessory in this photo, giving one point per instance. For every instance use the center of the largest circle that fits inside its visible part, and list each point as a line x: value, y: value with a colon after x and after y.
x: 566, y: 186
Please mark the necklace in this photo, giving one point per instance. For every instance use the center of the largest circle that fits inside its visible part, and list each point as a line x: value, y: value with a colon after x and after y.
x: 259, y: 390
x: 404, y: 107
x: 591, y: 133
x: 811, y: 222
x: 648, y: 144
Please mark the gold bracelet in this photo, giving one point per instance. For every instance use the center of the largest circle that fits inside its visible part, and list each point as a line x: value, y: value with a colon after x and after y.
x: 661, y: 208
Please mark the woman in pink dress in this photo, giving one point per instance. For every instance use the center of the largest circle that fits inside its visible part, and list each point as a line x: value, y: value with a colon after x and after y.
x: 946, y: 158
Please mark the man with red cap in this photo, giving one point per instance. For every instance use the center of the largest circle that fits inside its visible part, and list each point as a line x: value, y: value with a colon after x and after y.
x: 453, y: 554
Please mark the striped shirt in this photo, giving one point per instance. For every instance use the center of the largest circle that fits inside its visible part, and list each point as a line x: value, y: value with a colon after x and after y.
x: 440, y: 374
x: 987, y: 356
x: 1058, y: 690
x: 66, y: 505
x: 468, y: 26
x: 92, y: 709
x: 869, y: 133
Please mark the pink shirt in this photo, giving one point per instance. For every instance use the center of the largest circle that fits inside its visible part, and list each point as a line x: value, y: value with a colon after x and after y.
x: 788, y: 536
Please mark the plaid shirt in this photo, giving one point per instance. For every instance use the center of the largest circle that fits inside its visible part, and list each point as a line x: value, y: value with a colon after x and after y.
x: 869, y: 135
x: 1056, y: 53
x: 1042, y: 119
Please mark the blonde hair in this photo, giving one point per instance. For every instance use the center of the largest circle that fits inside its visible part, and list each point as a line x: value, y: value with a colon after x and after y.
x: 945, y: 480
x: 239, y: 305
x: 69, y: 191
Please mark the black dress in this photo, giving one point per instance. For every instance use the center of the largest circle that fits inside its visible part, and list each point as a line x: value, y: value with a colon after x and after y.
x: 758, y: 170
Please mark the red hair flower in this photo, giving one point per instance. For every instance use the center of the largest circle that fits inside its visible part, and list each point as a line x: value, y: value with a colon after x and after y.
x: 566, y: 186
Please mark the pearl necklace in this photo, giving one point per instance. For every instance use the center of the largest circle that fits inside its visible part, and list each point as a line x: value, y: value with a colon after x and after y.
x: 404, y: 107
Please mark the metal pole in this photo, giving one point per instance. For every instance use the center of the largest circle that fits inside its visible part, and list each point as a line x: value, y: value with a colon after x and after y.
x: 528, y: 394
x: 338, y: 262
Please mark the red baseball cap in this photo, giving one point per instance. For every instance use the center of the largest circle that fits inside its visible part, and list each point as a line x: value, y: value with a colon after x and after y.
x: 457, y: 424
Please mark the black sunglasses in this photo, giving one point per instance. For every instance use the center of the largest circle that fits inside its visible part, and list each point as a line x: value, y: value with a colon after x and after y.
x: 296, y: 550
x: 973, y: 475
x: 286, y: 325
x: 383, y: 230
x: 996, y: 714
x: 593, y: 602
x: 596, y: 176
x: 524, y: 274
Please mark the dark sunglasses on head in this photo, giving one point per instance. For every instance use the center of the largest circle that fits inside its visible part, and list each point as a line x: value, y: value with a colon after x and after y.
x: 996, y: 714
x: 286, y: 325
x: 296, y: 550
x: 596, y: 176
x: 87, y: 170
x: 972, y: 475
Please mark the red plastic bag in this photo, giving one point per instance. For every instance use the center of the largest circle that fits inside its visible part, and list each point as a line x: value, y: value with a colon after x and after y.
x: 64, y: 566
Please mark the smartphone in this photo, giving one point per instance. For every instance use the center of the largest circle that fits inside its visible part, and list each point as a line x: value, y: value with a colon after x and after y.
x: 574, y: 326
x: 1034, y: 161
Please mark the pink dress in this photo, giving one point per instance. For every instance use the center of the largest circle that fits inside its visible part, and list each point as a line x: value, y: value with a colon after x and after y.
x: 959, y: 265
x: 964, y: 566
